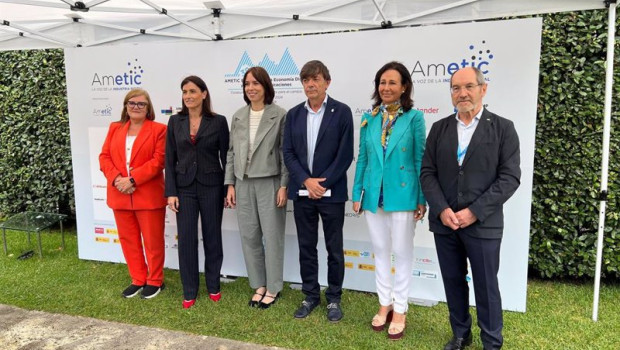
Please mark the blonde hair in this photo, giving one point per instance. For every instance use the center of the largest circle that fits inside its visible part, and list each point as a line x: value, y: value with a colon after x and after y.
x: 150, y: 112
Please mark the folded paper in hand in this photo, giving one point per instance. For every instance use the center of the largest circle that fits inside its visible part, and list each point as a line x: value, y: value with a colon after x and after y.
x: 304, y: 193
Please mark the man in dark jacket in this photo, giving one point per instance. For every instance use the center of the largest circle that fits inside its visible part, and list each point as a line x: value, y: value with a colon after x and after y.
x: 318, y: 150
x: 469, y: 170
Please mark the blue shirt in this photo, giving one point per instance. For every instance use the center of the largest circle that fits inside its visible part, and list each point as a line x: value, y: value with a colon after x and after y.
x: 313, y: 125
x: 465, y: 133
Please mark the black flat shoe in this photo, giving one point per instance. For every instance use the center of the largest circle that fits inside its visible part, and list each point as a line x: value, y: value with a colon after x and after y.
x: 458, y: 343
x: 131, y: 291
x: 255, y: 303
x: 306, y: 308
x: 262, y: 305
x: 334, y: 312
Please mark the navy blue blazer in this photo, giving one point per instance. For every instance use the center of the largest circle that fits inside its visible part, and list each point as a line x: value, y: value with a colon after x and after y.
x: 488, y: 177
x: 204, y: 162
x: 333, y: 153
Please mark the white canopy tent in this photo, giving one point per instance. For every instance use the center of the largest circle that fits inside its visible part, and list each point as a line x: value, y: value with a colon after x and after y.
x: 65, y: 23
x: 38, y: 24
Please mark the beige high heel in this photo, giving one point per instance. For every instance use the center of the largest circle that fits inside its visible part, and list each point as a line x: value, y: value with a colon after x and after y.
x: 397, y: 329
x: 378, y: 321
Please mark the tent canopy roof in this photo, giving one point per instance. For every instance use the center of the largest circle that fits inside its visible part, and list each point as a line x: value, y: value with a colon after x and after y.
x: 30, y: 24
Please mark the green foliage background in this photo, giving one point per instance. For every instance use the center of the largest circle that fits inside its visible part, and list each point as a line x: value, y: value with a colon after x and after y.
x: 35, y: 157
x: 569, y: 135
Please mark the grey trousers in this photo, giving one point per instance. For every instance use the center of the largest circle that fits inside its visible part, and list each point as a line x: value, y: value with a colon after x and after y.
x: 261, y: 224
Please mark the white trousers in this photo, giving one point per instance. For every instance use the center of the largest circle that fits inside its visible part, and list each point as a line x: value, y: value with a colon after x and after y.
x: 392, y: 232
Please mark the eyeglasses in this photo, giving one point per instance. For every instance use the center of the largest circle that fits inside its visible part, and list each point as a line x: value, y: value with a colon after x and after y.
x: 468, y: 87
x: 139, y: 105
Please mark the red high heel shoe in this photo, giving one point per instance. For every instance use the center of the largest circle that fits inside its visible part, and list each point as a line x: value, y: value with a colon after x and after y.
x: 215, y: 297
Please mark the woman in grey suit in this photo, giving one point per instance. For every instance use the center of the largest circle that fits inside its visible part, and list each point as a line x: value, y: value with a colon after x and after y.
x: 257, y: 177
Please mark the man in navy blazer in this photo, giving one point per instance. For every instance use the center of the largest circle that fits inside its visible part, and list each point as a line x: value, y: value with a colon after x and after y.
x: 469, y: 170
x: 318, y: 150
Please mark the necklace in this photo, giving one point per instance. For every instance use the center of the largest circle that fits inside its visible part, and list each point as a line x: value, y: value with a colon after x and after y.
x: 194, y: 124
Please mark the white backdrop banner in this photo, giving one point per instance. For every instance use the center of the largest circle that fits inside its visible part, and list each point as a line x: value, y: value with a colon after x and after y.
x: 507, y: 51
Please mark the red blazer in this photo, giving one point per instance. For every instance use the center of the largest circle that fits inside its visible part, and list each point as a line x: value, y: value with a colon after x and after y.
x: 147, y: 161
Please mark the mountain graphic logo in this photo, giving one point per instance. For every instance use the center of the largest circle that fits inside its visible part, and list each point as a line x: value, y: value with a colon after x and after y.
x: 286, y: 66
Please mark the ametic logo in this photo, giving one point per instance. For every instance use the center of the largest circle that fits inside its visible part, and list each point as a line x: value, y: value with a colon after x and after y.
x: 478, y: 55
x: 127, y: 80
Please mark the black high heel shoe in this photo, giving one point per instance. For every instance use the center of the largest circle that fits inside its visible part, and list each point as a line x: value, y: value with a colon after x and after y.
x: 262, y: 305
x: 255, y: 303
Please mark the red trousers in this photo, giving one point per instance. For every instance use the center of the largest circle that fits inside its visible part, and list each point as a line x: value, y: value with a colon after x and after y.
x: 141, y: 232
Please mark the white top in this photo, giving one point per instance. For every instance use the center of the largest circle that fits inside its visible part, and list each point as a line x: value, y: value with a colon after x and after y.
x: 465, y: 133
x: 313, y: 125
x: 128, y: 146
x: 255, y: 117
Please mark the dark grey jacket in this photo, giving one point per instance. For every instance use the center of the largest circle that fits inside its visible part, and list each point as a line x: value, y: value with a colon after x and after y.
x: 204, y: 162
x: 490, y: 173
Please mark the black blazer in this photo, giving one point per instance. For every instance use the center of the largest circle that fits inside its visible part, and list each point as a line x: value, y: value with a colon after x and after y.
x: 333, y: 153
x: 204, y: 162
x: 490, y: 173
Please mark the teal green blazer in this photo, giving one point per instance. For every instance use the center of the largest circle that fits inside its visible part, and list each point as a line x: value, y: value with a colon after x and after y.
x: 398, y: 171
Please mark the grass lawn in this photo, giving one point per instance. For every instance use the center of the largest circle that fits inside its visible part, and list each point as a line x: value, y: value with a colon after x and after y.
x: 558, y: 316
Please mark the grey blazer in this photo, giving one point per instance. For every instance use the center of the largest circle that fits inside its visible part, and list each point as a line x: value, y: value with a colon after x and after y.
x: 267, y: 157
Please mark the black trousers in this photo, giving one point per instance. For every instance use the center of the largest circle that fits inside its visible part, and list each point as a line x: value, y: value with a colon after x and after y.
x: 453, y: 250
x: 208, y: 201
x: 307, y: 212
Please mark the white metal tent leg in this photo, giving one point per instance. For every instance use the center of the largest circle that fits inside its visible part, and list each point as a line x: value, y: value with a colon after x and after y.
x: 609, y: 79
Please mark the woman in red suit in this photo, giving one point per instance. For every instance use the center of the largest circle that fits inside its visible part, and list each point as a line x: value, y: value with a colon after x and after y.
x: 132, y: 160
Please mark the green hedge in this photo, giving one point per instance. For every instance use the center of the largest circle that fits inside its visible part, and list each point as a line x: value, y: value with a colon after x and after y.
x: 565, y: 208
x: 35, y: 158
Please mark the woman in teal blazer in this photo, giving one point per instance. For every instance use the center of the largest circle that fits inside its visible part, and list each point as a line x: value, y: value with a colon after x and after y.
x: 387, y: 186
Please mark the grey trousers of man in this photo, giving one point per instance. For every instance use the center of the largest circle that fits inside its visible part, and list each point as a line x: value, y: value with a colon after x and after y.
x: 262, y: 225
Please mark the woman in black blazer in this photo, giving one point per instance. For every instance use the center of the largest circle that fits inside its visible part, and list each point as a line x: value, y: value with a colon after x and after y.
x: 196, y: 146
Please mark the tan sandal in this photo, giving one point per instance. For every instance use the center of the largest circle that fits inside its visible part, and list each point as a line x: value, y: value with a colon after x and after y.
x: 396, y: 330
x: 378, y: 321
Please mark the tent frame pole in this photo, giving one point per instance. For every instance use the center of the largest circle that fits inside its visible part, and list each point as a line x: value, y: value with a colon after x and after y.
x: 609, y: 80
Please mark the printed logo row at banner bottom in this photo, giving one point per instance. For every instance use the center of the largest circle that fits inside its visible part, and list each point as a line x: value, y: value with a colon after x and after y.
x: 347, y: 264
